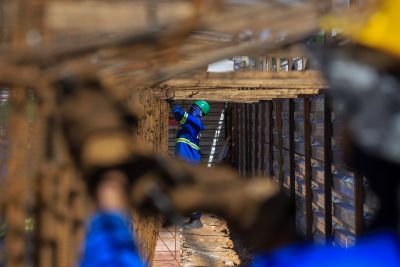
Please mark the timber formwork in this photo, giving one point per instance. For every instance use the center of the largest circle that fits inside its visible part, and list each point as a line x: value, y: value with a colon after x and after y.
x: 40, y: 39
x: 296, y: 143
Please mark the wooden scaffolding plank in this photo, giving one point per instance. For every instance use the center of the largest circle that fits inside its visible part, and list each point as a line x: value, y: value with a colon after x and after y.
x: 263, y: 125
x: 271, y: 139
x: 279, y: 124
x: 359, y: 196
x: 266, y: 79
x: 328, y: 131
x: 308, y: 169
x: 292, y: 161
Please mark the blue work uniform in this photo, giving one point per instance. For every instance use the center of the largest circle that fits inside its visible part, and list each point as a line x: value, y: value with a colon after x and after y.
x: 375, y: 250
x: 109, y: 242
x: 187, y: 138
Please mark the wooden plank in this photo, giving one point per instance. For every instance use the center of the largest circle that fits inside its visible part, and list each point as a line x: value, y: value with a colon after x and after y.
x: 237, y: 136
x: 308, y: 169
x: 269, y: 63
x: 271, y: 139
x: 292, y: 150
x: 359, y: 203
x: 233, y: 119
x: 241, y: 138
x: 18, y: 178
x: 114, y: 16
x: 257, y: 140
x: 254, y: 126
x: 203, y: 77
x: 263, y: 124
x: 264, y: 79
x: 251, y: 139
x: 328, y: 131
x: 280, y: 141
x: 245, y: 99
x: 248, y: 139
x: 233, y: 93
x: 245, y: 139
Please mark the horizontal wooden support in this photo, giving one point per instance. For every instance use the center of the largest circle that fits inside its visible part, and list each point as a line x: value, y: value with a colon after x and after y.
x: 114, y: 16
x: 251, y: 79
x: 246, y: 100
x: 234, y: 95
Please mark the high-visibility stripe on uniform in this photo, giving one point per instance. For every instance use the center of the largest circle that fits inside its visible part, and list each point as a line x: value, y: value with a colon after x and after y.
x: 186, y: 141
x: 184, y: 119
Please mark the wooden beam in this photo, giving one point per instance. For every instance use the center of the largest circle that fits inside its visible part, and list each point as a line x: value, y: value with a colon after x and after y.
x: 328, y: 132
x: 308, y: 168
x: 292, y: 144
x: 263, y: 118
x: 359, y: 195
x: 257, y: 143
x: 248, y: 138
x: 270, y: 140
x: 233, y: 95
x: 250, y: 79
x: 279, y: 124
x: 114, y: 16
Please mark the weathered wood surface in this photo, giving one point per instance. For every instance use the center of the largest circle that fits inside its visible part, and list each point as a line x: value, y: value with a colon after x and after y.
x: 153, y: 132
x: 18, y: 179
x: 234, y: 95
x: 115, y: 16
x: 251, y: 79
x: 246, y: 86
x: 169, y: 38
x: 212, y: 245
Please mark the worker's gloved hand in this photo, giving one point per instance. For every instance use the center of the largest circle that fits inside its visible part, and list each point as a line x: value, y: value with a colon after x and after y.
x: 171, y: 102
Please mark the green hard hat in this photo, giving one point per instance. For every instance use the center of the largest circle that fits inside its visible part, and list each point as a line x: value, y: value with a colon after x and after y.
x: 203, y: 105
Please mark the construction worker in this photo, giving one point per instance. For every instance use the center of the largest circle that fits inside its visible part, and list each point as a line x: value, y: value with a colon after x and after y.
x: 191, y: 123
x: 188, y: 140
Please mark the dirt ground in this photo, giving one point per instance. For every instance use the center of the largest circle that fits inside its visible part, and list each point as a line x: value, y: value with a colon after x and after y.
x: 211, y: 245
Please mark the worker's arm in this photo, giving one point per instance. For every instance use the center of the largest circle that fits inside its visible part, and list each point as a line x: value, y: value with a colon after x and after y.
x: 185, y: 118
x: 179, y: 113
x: 194, y: 122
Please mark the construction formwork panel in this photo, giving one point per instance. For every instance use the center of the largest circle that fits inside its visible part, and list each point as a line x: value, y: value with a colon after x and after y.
x: 55, y: 204
x: 300, y: 139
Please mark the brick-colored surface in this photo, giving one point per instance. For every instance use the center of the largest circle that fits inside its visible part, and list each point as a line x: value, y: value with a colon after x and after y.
x: 168, y: 248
